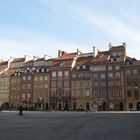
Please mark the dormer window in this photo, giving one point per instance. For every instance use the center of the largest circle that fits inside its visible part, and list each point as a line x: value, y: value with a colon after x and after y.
x: 18, y: 73
x: 134, y: 61
x: 84, y: 67
x: 78, y: 67
x: 42, y: 70
x: 15, y: 74
x: 37, y: 70
x: 127, y: 62
x: 62, y: 64
x: 25, y: 71
x: 114, y: 54
x: 47, y: 70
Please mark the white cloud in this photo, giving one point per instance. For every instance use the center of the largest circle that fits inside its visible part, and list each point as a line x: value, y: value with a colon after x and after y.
x: 114, y: 27
x: 33, y: 44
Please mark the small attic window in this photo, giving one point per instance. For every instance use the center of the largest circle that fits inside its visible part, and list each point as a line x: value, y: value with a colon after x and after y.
x: 37, y: 70
x: 61, y: 63
x: 42, y: 70
x: 84, y: 67
x: 78, y: 67
x: 25, y: 71
x: 134, y: 61
x: 19, y: 73
x: 15, y: 74
x: 127, y: 62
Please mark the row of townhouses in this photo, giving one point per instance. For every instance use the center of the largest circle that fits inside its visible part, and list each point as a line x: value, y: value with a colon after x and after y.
x: 99, y: 80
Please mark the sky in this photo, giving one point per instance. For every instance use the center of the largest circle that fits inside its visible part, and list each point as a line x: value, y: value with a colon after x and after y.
x: 42, y: 27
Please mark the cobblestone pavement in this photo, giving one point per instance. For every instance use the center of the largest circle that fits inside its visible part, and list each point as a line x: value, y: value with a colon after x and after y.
x: 70, y: 126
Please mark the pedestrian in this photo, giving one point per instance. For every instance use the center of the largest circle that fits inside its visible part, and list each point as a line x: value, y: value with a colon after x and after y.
x: 20, y: 110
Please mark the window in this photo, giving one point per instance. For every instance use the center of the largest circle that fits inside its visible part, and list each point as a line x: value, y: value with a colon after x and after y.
x: 102, y: 75
x: 136, y: 94
x: 40, y: 78
x: 80, y: 75
x: 53, y: 84
x: 78, y: 67
x: 60, y: 84
x: 59, y: 73
x: 81, y: 93
x: 23, y: 96
x: 29, y: 86
x: 40, y: 86
x: 66, y: 84
x: 117, y: 75
x: 29, y: 77
x: 114, y: 54
x: 95, y: 76
x: 35, y: 78
x: 24, y: 78
x: 103, y: 83
x: 74, y: 75
x: 66, y: 73
x: 135, y: 72
x: 84, y: 67
x: 109, y: 67
x: 111, y: 93
x: 37, y: 70
x: 42, y: 70
x: 118, y: 83
x: 28, y: 95
x: 103, y: 93
x: 62, y: 64
x: 74, y: 93
x: 120, y: 53
x: 95, y: 94
x: 54, y: 74
x: 87, y: 92
x: 118, y: 93
x: 117, y: 67
x: 135, y: 83
x: 86, y: 75
x: 66, y: 93
x: 46, y: 78
x: 110, y: 75
x: 23, y: 87
x: 128, y: 72
x: 95, y: 84
x: 129, y: 93
x: 45, y: 85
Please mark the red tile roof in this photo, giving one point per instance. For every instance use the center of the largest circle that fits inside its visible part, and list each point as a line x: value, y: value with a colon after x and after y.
x: 84, y: 60
x: 56, y: 64
x: 67, y: 55
x: 114, y: 48
x: 101, y: 57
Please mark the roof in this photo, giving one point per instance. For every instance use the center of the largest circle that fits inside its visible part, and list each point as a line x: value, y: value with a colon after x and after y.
x: 18, y: 60
x: 114, y: 48
x: 65, y: 55
x: 101, y: 57
x: 66, y: 63
x: 84, y: 60
x: 4, y: 63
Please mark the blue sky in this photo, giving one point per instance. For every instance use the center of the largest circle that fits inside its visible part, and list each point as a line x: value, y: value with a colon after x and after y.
x: 38, y: 27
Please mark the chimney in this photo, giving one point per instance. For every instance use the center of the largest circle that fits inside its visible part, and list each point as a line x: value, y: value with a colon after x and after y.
x: 124, y: 44
x: 110, y: 45
x: 93, y: 51
x: 59, y: 53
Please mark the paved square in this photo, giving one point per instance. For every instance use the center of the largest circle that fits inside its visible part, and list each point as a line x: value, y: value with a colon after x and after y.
x: 69, y: 126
